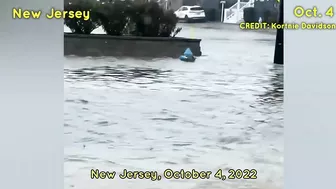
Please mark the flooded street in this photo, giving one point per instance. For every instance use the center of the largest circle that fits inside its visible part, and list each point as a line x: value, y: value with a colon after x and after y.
x: 224, y: 111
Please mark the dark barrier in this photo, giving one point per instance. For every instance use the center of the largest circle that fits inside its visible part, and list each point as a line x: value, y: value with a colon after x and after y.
x: 279, y: 44
x: 129, y: 46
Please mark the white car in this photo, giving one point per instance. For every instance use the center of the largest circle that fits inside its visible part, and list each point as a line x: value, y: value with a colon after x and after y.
x: 189, y: 13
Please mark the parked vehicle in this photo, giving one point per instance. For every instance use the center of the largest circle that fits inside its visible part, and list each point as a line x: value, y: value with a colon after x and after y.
x: 191, y: 13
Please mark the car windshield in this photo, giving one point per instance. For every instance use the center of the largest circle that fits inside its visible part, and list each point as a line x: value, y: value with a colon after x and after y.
x: 196, y: 8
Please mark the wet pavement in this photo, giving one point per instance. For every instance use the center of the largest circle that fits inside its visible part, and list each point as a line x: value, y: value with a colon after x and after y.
x: 224, y: 111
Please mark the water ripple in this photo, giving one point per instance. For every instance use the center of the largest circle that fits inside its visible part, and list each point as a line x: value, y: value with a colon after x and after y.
x: 225, y: 110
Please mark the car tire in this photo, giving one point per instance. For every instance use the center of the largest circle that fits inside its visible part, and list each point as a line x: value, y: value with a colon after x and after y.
x: 186, y: 18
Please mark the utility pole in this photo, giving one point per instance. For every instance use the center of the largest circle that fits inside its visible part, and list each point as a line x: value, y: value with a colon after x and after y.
x: 279, y: 42
x: 222, y: 13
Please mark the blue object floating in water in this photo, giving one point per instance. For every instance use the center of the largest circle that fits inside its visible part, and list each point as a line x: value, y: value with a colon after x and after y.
x: 187, y: 59
x: 187, y: 56
x: 188, y: 53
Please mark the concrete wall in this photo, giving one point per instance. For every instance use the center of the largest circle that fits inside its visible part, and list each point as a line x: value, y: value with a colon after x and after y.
x: 211, y: 4
x: 104, y: 45
x: 206, y: 4
x: 176, y: 4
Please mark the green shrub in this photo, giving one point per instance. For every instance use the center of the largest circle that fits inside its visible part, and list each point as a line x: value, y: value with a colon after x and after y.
x: 124, y: 17
x: 113, y: 16
x: 249, y: 15
x: 153, y: 21
x: 168, y: 23
x: 81, y: 26
x: 147, y: 18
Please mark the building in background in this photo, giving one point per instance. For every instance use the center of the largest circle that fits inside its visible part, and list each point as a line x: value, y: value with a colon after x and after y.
x: 212, y: 8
